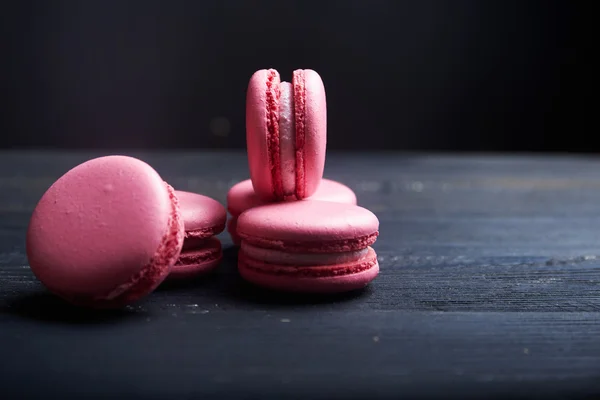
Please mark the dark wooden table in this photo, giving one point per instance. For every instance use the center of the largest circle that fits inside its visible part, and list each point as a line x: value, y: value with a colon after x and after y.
x: 489, y: 288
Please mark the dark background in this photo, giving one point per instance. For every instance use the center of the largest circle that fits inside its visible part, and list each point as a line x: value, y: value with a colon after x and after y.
x: 441, y: 75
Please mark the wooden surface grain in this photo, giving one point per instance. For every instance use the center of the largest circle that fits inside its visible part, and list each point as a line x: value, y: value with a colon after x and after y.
x: 489, y: 288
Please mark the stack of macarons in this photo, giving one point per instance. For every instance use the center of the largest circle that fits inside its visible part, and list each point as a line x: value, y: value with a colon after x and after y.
x: 111, y: 230
x: 297, y: 231
x: 203, y: 219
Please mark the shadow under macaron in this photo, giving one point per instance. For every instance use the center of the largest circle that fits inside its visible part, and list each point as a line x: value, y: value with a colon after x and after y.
x: 193, y: 282
x: 45, y: 307
x: 225, y: 286
x: 279, y: 299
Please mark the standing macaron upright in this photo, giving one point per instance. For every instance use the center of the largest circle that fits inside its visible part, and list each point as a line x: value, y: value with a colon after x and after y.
x: 286, y: 129
x: 106, y: 233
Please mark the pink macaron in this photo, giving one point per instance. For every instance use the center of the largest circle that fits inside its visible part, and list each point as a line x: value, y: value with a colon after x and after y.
x: 286, y: 129
x: 106, y: 233
x: 308, y: 246
x: 203, y: 218
x: 199, y: 260
x: 242, y: 197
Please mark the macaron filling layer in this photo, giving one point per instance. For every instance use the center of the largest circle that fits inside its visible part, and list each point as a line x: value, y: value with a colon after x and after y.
x: 286, y: 108
x: 152, y: 274
x: 203, y: 258
x: 194, y: 257
x: 273, y: 146
x: 287, y: 139
x: 302, y: 259
x: 334, y: 246
x: 313, y: 271
x: 204, y: 232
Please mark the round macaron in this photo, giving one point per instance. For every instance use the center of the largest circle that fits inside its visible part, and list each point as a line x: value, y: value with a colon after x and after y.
x: 106, y: 233
x: 286, y: 129
x: 242, y: 197
x: 308, y: 246
x: 203, y: 218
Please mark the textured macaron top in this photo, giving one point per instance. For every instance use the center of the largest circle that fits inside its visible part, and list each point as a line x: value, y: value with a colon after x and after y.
x: 99, y: 225
x: 241, y: 196
x: 311, y: 133
x: 273, y: 108
x: 201, y: 214
x: 318, y: 226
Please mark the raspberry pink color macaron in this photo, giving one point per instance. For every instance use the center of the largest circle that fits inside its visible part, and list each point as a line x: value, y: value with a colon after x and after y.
x: 106, y: 233
x: 242, y: 197
x: 203, y: 218
x: 308, y: 246
x: 286, y: 129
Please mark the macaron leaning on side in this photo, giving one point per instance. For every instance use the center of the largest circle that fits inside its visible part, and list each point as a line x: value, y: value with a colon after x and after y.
x: 106, y: 233
x: 286, y: 129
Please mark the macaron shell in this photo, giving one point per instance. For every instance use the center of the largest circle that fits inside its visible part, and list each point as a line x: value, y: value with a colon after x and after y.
x: 199, y: 261
x: 315, y: 134
x: 193, y: 270
x: 256, y: 135
x: 241, y: 196
x: 202, y: 216
x: 152, y: 275
x: 98, y: 225
x: 192, y: 242
x: 333, y: 191
x: 309, y: 221
x: 270, y: 276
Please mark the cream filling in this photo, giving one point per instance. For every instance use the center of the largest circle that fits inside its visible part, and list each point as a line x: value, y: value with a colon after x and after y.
x: 301, y: 259
x: 287, y: 138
